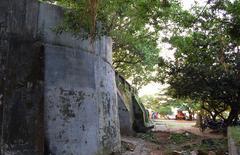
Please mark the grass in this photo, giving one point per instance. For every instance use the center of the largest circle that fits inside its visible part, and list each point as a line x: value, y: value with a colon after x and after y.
x: 235, y: 133
x: 174, y: 138
x: 148, y: 137
x: 187, y: 142
x: 176, y: 125
x: 212, y: 145
x: 180, y: 138
x: 203, y: 146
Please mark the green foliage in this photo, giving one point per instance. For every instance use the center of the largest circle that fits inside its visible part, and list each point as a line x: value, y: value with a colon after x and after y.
x: 185, y: 104
x: 133, y: 25
x: 165, y: 110
x: 180, y: 138
x: 192, y: 107
x: 150, y: 102
x: 206, y: 68
x: 154, y: 103
x: 164, y: 104
x: 151, y: 137
x: 220, y: 146
x: 186, y: 142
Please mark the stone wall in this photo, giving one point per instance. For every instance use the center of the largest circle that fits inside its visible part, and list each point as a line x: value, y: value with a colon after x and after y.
x: 54, y: 88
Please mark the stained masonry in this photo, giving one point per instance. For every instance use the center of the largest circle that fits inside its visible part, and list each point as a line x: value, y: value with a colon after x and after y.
x: 56, y: 95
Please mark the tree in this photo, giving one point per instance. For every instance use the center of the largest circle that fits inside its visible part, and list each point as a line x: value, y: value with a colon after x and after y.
x: 207, y: 59
x: 150, y: 102
x: 133, y: 25
x: 188, y: 105
x: 157, y: 105
x: 165, y: 110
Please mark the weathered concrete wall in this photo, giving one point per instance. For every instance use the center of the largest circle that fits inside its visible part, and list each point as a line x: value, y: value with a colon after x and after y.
x: 21, y: 78
x: 141, y: 122
x: 132, y: 113
x: 80, y: 114
x: 71, y: 80
x: 80, y: 91
x: 125, y: 118
x: 233, y: 146
x: 125, y: 107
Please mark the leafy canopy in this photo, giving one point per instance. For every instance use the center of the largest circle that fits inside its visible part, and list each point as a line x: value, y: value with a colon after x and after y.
x: 133, y: 25
x: 207, y: 58
x: 157, y: 104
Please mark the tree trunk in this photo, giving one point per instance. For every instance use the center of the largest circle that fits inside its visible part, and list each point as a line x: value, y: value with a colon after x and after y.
x: 190, y: 115
x: 214, y: 117
x: 232, y: 115
x: 199, y: 120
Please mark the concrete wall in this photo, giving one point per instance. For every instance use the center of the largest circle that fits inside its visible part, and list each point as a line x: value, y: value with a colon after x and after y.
x: 233, y: 146
x: 71, y: 80
x: 125, y: 106
x: 80, y: 91
x: 21, y: 79
x: 132, y: 113
x: 125, y: 118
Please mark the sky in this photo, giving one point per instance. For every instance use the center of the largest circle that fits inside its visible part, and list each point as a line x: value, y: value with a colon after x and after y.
x: 154, y: 88
x: 188, y: 3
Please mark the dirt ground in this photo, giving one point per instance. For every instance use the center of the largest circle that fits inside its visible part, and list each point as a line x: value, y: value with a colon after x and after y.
x: 181, y: 126
x: 170, y: 137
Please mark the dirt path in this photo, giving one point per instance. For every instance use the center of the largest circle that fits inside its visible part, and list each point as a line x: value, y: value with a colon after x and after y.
x: 138, y: 146
x: 135, y: 146
x: 169, y: 136
x: 180, y: 126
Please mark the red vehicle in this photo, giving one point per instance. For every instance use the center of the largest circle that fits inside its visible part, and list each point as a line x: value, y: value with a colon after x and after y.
x: 180, y: 115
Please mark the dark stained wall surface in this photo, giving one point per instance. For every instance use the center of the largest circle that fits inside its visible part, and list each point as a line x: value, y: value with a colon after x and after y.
x: 57, y: 93
x: 21, y: 78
